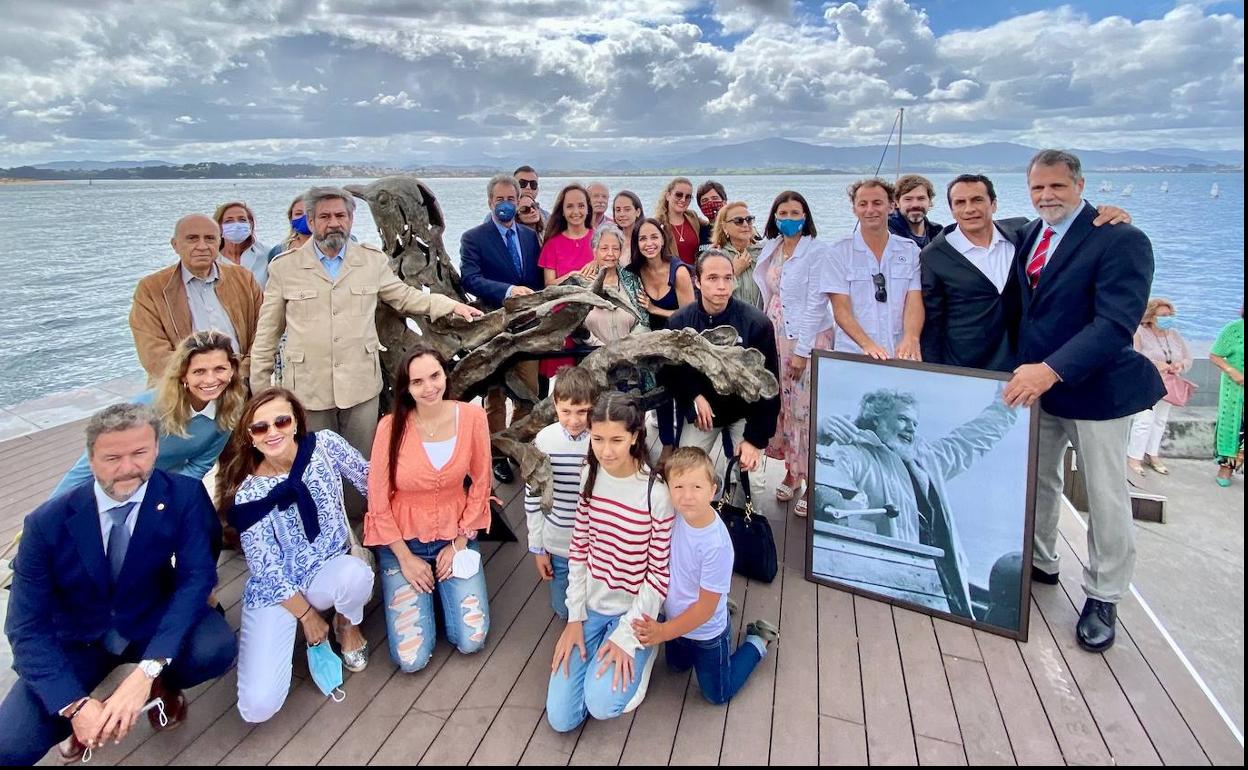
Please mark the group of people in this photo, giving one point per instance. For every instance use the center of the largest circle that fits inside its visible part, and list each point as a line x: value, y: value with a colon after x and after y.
x: 633, y: 551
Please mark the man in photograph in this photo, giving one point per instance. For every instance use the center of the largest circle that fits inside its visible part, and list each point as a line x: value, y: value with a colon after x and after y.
x: 878, y: 461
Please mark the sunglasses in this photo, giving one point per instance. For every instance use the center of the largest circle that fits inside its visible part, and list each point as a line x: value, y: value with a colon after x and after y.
x: 526, y: 210
x: 738, y: 221
x: 881, y: 288
x: 682, y: 196
x: 281, y: 422
x: 527, y: 184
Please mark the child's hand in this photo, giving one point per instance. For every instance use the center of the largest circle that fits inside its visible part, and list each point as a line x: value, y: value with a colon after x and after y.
x: 649, y: 631
x: 544, y: 569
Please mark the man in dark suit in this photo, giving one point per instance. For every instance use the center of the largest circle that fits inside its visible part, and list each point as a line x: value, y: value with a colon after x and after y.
x: 1083, y: 291
x: 115, y: 571
x: 497, y: 260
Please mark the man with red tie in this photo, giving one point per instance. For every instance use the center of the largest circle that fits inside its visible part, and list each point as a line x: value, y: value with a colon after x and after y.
x: 1084, y: 290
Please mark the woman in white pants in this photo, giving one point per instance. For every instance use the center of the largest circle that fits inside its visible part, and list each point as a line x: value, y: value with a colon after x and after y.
x: 1157, y: 339
x: 281, y: 487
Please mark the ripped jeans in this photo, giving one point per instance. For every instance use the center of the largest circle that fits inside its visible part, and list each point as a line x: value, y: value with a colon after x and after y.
x: 410, y: 625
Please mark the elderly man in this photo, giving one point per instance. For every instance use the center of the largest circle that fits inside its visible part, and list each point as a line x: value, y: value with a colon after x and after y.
x: 879, y: 462
x: 198, y: 293
x: 324, y: 295
x: 599, y: 203
x: 117, y: 570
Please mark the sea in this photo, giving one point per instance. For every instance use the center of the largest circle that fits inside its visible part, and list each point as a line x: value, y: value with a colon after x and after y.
x: 74, y: 251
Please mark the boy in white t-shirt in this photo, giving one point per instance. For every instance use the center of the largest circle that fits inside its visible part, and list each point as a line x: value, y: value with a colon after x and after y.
x: 697, y: 632
x: 566, y: 443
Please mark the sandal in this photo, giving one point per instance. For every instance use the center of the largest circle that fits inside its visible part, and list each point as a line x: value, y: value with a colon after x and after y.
x: 1136, y: 467
x: 784, y: 492
x: 799, y: 510
x: 1157, y: 465
x: 356, y: 660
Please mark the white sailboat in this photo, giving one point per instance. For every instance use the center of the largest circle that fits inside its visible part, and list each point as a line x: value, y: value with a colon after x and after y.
x: 1213, y: 191
x: 1106, y: 186
x: 1165, y: 187
x: 1126, y: 191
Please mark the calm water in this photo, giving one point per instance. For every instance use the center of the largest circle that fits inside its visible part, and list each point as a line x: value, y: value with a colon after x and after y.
x: 75, y: 252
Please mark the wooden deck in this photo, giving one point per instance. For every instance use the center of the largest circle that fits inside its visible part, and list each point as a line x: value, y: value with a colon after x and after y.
x: 853, y: 681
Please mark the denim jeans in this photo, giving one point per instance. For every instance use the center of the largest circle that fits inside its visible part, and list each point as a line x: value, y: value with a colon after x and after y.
x: 410, y: 625
x: 721, y: 673
x: 580, y: 692
x: 559, y: 586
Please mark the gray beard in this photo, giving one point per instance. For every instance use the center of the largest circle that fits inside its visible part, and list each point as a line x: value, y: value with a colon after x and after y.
x: 332, y: 242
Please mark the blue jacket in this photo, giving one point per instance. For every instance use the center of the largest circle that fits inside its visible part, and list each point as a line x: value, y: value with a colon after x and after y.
x: 486, y: 268
x: 192, y: 456
x: 1081, y: 318
x: 63, y: 593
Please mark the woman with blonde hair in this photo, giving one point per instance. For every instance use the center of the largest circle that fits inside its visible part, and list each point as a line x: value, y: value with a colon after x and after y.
x: 686, y: 230
x: 1158, y: 340
x: 300, y: 230
x: 733, y: 232
x: 238, y: 239
x: 199, y: 399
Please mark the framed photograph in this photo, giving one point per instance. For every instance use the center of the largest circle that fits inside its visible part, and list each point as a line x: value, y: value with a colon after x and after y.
x: 922, y: 486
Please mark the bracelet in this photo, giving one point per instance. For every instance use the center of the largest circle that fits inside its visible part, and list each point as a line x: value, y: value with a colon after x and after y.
x: 305, y: 612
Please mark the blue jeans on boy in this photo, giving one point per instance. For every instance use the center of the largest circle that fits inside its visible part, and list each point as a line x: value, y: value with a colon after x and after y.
x: 580, y: 692
x: 559, y: 586
x: 721, y: 673
x: 410, y: 625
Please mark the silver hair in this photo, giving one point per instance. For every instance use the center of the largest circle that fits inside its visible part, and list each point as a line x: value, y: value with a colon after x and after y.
x: 1057, y: 157
x: 878, y: 403
x: 498, y: 179
x: 119, y: 417
x: 605, y: 229
x: 318, y: 194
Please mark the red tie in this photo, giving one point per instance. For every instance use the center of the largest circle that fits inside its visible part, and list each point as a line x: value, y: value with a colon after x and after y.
x: 1037, y: 262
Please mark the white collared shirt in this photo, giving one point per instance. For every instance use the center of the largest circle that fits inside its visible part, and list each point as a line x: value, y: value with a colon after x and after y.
x: 104, y: 503
x: 994, y: 260
x: 850, y: 269
x: 207, y: 311
x: 209, y: 411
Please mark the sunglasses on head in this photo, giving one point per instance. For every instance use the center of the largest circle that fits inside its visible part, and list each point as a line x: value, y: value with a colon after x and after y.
x: 881, y: 287
x: 528, y: 184
x: 738, y: 221
x: 682, y: 196
x: 281, y: 422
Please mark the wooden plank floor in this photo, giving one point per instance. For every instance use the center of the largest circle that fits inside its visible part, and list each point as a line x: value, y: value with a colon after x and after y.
x: 853, y: 681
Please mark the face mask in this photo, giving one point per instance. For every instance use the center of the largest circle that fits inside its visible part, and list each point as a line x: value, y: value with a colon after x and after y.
x: 504, y: 211
x: 790, y: 227
x: 300, y: 225
x: 236, y: 232
x: 465, y: 564
x: 710, y: 209
x: 326, y: 669
x: 1165, y: 322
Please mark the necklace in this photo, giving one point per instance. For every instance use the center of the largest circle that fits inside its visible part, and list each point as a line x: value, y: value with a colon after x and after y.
x: 680, y: 230
x: 1164, y: 339
x: 432, y: 431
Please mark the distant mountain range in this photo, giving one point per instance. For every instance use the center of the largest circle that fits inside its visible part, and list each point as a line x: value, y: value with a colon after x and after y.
x: 759, y: 156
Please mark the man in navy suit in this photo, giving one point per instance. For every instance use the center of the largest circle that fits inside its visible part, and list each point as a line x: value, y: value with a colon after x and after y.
x: 115, y: 571
x: 497, y: 260
x: 1084, y: 290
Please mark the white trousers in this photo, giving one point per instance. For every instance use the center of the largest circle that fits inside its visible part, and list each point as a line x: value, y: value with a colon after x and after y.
x: 708, y: 441
x: 266, y: 638
x: 1147, y: 431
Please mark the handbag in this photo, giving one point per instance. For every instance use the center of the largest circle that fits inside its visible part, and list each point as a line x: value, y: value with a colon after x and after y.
x: 1178, y: 389
x: 356, y: 549
x: 753, y: 544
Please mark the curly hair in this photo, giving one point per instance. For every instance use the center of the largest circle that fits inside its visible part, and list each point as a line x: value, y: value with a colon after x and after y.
x: 878, y: 403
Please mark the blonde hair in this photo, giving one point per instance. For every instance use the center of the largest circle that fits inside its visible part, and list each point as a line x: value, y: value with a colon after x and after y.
x: 661, y: 214
x: 1155, y: 304
x: 173, y: 404
x: 719, y: 235
x: 690, y: 458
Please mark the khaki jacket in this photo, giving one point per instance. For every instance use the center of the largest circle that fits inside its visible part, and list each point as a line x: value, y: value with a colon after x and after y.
x: 160, y: 317
x: 330, y: 359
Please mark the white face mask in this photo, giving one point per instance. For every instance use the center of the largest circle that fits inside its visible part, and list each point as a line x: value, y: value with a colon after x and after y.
x: 236, y: 232
x: 466, y: 564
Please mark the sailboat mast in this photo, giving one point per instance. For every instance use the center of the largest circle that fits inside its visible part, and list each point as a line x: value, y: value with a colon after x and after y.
x: 901, y: 127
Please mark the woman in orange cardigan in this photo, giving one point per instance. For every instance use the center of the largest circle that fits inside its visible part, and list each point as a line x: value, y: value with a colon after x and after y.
x: 428, y: 495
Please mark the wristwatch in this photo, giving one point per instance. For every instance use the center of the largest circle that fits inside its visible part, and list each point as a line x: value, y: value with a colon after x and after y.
x: 151, y: 668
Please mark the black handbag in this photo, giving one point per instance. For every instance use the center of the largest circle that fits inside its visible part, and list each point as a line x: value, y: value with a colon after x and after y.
x: 753, y: 544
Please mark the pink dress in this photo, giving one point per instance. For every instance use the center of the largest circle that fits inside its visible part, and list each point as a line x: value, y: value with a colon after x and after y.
x: 792, y: 440
x: 563, y: 255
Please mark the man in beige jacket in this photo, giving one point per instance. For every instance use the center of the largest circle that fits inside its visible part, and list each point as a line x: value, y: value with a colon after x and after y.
x: 324, y: 295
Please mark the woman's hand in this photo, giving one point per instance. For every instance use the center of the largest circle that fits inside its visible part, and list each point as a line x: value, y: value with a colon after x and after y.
x: 315, y: 629
x: 797, y: 365
x: 643, y: 300
x: 573, y: 636
x: 417, y: 572
x: 446, y: 558
x: 611, y: 654
x: 741, y: 263
x: 590, y: 270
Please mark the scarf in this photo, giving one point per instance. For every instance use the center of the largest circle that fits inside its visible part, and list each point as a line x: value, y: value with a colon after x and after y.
x: 292, y: 490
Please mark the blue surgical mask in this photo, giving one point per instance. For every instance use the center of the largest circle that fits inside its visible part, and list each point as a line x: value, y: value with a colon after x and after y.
x: 300, y: 225
x: 326, y: 670
x: 236, y: 232
x: 504, y: 211
x: 790, y: 227
x: 1165, y: 322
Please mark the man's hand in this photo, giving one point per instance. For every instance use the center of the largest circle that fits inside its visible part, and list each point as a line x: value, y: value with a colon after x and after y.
x: 839, y: 429
x: 747, y: 456
x: 89, y: 723
x: 611, y: 655
x: 705, y: 415
x: 908, y: 349
x: 1111, y: 215
x: 545, y: 570
x: 121, y: 709
x: 1029, y: 383
x: 520, y: 291
x: 649, y: 631
x: 466, y: 312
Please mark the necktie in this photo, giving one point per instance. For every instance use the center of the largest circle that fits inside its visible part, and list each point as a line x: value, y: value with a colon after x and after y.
x: 118, y: 544
x: 513, y: 248
x: 1037, y: 262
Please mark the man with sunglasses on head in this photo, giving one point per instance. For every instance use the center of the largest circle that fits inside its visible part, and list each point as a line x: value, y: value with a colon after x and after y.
x: 872, y: 281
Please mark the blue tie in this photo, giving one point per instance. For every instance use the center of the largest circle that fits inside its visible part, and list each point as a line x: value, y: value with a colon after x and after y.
x: 513, y: 247
x: 118, y: 544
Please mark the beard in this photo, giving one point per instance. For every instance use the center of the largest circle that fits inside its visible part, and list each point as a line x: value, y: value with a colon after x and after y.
x: 110, y: 488
x: 915, y: 216
x: 332, y: 241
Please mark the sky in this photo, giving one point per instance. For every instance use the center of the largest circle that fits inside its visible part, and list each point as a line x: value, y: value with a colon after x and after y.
x: 427, y: 81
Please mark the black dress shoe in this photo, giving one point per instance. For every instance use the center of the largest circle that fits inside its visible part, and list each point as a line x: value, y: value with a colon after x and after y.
x: 502, y: 471
x: 1096, y: 625
x: 1040, y: 576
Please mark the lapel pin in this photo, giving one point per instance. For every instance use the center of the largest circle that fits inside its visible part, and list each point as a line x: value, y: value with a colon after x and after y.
x: 160, y: 506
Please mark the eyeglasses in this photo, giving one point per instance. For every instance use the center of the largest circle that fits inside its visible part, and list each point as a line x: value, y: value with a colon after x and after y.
x: 881, y: 288
x: 527, y: 184
x: 738, y: 221
x: 682, y: 196
x: 281, y: 422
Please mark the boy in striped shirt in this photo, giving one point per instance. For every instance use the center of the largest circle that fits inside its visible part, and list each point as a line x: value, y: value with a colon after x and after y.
x: 566, y: 443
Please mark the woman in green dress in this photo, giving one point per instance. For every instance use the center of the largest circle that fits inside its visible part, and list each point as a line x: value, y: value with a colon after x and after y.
x: 1228, y: 355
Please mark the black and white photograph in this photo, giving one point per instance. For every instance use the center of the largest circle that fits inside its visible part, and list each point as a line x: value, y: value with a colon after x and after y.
x: 922, y: 489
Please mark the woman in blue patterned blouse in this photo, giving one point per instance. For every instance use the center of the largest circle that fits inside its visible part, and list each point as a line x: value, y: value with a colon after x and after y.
x: 281, y: 487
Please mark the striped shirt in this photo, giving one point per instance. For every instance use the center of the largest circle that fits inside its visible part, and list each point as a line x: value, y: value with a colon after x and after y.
x: 618, y: 556
x: 550, y: 533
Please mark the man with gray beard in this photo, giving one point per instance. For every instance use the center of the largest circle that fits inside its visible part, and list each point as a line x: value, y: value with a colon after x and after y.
x: 324, y: 295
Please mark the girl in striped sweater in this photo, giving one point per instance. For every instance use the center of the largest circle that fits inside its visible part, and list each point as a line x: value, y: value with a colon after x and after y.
x: 618, y: 571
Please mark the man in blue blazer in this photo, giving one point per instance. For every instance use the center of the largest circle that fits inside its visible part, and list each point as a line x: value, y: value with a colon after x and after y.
x: 497, y: 260
x: 1084, y: 289
x: 117, y: 570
